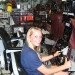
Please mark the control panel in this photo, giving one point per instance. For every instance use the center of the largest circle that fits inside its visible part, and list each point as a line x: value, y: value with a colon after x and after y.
x: 4, y: 14
x: 72, y: 57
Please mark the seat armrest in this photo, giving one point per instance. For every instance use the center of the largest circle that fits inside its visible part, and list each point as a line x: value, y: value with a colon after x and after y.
x: 13, y: 49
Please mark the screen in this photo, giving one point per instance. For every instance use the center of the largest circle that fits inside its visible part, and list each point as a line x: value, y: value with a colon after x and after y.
x: 20, y: 28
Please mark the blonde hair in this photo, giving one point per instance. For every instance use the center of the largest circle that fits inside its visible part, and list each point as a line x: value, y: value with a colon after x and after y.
x: 29, y: 33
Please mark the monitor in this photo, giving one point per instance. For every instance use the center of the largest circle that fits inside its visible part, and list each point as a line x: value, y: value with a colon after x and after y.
x: 18, y: 28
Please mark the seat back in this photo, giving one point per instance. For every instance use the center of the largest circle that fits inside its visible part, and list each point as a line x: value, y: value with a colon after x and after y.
x: 57, y: 27
x: 72, y: 38
x: 5, y: 37
x: 21, y: 70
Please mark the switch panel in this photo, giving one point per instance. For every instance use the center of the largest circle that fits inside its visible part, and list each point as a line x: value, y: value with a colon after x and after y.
x: 72, y: 58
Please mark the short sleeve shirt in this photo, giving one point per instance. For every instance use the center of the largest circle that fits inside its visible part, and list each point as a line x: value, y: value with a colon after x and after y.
x: 30, y: 61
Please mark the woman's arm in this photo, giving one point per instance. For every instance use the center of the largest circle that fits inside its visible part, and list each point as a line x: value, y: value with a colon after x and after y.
x: 46, y: 58
x: 53, y: 70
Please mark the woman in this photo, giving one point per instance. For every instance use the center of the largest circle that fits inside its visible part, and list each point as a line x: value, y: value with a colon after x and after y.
x: 32, y: 61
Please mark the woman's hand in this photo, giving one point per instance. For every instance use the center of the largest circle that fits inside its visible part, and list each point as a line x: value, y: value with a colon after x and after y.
x: 67, y: 64
x: 57, y: 53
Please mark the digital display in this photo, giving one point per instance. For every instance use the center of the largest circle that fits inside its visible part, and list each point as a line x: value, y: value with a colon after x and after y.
x: 29, y: 17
